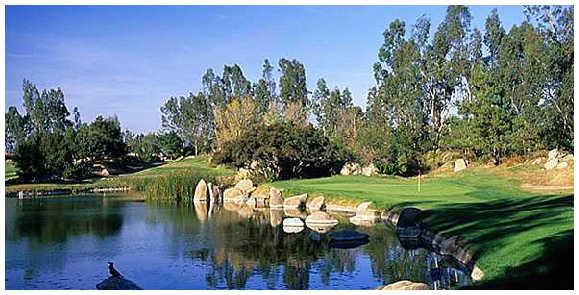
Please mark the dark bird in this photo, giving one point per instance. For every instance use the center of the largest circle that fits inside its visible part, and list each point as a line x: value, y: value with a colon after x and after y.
x: 113, y: 271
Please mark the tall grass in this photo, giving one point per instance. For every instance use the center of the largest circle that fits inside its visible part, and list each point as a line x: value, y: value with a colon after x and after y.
x: 169, y: 187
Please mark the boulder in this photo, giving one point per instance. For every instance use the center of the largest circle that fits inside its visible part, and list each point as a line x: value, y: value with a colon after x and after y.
x: 405, y: 285
x: 551, y: 163
x: 567, y: 158
x: 460, y: 165
x: 351, y: 169
x: 317, y: 204
x: 362, y: 221
x: 536, y: 161
x: 369, y: 170
x: 117, y: 283
x: 364, y: 213
x: 275, y: 217
x: 201, y: 210
x: 477, y: 274
x: 256, y: 202
x: 292, y: 229
x: 293, y: 221
x: 215, y: 194
x: 200, y: 192
x: 246, y: 185
x: 275, y: 198
x: 553, y: 154
x: 409, y: 217
x: 234, y: 194
x: 562, y: 165
x: 298, y: 201
x: 321, y: 218
x: 295, y: 212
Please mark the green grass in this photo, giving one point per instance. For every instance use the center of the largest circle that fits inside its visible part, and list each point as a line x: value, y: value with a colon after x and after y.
x: 168, y: 181
x: 519, y: 239
x: 11, y: 171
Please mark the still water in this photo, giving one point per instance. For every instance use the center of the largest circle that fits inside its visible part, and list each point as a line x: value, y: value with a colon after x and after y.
x: 66, y: 242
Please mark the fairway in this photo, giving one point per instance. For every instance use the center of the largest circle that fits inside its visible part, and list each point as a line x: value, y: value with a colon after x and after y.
x: 511, y: 232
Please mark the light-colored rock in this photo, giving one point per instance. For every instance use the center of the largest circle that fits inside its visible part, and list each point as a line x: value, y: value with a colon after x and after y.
x: 298, y: 201
x: 201, y: 192
x: 349, y: 210
x: 275, y: 217
x: 294, y: 212
x: 362, y: 221
x: 567, y: 158
x: 292, y: 229
x: 292, y: 221
x: 316, y: 204
x: 275, y: 198
x: 477, y: 274
x: 562, y: 165
x: 536, y: 161
x: 201, y: 210
x: 351, y: 169
x: 363, y: 207
x: 234, y: 194
x: 256, y: 203
x: 460, y: 165
x: 553, y: 154
x: 551, y: 163
x: 321, y: 218
x: 364, y: 213
x: 405, y: 285
x: 369, y: 170
x: 246, y: 185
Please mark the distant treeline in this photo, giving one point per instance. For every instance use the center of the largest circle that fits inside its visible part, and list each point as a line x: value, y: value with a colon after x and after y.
x: 485, y: 94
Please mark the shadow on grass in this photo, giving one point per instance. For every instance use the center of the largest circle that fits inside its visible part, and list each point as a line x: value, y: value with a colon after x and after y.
x: 491, y: 230
x: 551, y: 270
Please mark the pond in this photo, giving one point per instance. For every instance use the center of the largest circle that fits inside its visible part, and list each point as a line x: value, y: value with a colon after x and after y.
x: 66, y: 242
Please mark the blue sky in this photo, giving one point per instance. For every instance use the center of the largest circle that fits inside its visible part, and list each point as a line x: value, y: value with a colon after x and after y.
x: 126, y: 60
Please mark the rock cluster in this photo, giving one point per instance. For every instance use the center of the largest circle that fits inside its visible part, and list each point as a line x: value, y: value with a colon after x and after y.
x: 357, y: 169
x: 557, y: 159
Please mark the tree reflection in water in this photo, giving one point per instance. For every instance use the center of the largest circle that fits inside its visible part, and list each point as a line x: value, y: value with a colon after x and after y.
x: 247, y: 244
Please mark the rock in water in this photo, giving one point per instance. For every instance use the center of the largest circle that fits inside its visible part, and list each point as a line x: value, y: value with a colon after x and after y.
x: 296, y: 201
x: 405, y: 285
x: 200, y: 192
x: 317, y: 204
x: 275, y: 198
x: 459, y: 165
x: 246, y: 185
x: 409, y: 217
x: 320, y: 217
x: 117, y: 283
x: 234, y: 194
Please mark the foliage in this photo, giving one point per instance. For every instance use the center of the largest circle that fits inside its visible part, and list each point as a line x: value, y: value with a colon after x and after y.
x: 285, y: 150
x: 170, y: 144
x: 233, y: 119
x: 101, y: 139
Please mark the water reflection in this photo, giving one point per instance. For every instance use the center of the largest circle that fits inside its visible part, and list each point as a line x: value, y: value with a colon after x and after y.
x: 200, y: 246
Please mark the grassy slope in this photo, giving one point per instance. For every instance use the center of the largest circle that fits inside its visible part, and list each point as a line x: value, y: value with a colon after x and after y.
x: 197, y: 166
x: 514, y: 234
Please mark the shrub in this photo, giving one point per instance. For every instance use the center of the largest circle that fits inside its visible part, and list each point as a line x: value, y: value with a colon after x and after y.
x: 285, y: 150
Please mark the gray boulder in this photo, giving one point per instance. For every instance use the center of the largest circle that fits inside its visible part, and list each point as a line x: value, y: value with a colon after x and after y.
x: 409, y: 217
x: 316, y: 204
